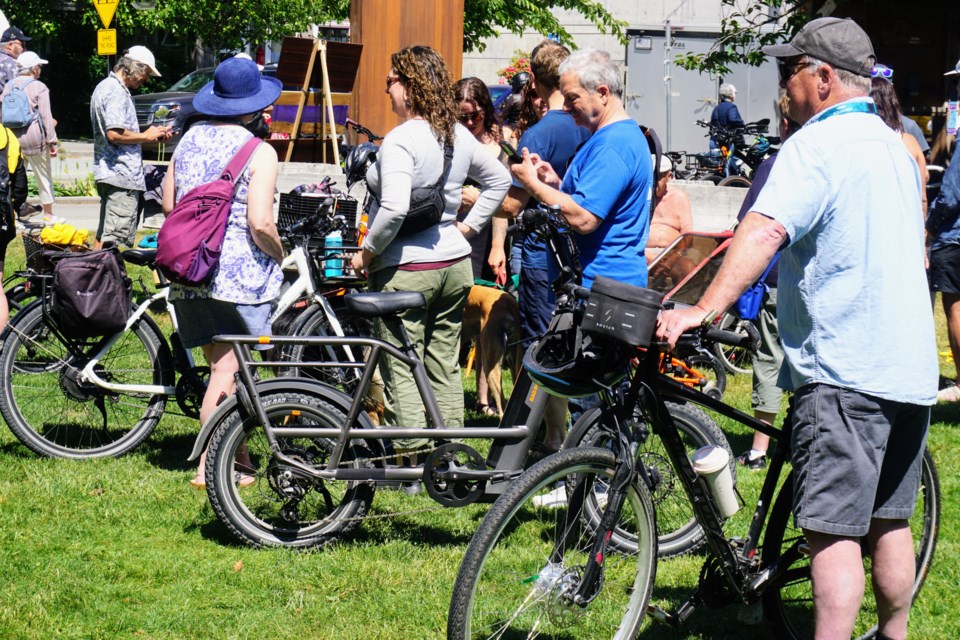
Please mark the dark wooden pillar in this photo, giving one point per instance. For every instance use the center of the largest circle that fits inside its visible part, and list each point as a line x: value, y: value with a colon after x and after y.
x: 385, y: 26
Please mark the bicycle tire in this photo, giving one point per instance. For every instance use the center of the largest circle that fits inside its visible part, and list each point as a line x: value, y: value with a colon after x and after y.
x: 735, y: 181
x: 788, y: 603
x: 735, y: 359
x: 261, y: 514
x: 50, y: 411
x: 715, y: 374
x: 312, y: 321
x: 678, y: 532
x: 501, y: 588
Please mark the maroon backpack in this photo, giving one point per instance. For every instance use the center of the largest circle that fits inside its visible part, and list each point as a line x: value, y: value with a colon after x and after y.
x: 191, y: 238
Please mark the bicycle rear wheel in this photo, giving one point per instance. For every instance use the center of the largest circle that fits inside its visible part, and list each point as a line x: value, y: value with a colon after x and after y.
x: 271, y: 503
x: 788, y: 603
x: 54, y: 413
x: 507, y: 587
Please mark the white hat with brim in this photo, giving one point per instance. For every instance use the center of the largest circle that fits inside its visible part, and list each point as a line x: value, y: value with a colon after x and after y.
x: 29, y: 60
x: 143, y: 55
x: 955, y: 71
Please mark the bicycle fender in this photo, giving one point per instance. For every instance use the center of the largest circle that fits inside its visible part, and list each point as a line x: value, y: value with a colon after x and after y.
x: 325, y: 392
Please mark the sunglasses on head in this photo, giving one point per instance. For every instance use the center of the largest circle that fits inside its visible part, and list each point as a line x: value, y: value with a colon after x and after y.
x: 881, y: 71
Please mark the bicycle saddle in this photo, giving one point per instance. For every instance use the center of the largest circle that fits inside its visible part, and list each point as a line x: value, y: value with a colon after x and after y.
x: 375, y: 305
x: 141, y: 257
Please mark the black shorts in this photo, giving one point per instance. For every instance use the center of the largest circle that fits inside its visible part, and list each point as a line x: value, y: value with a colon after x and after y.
x: 944, y: 271
x: 7, y: 235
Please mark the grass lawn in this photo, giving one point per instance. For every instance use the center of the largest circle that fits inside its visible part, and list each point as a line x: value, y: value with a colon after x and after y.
x: 124, y: 548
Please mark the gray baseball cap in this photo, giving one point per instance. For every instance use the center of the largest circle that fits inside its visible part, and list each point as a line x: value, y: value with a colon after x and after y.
x: 839, y: 42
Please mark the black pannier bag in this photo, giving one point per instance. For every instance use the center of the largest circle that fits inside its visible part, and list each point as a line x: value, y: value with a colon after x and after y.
x: 91, y: 293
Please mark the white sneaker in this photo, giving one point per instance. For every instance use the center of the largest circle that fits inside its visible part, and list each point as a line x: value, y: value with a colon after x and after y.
x: 552, y: 500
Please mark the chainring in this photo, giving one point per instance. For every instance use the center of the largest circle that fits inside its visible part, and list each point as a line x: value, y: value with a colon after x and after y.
x: 440, y: 471
x: 189, y: 393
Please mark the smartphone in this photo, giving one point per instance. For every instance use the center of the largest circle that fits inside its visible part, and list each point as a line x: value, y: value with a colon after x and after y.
x: 512, y: 156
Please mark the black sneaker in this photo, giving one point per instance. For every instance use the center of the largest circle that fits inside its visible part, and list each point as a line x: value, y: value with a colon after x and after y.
x: 745, y: 460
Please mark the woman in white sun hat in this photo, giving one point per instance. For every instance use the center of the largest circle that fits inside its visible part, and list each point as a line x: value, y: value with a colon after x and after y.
x: 38, y: 141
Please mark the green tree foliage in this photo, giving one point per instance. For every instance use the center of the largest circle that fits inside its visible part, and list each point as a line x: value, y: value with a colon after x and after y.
x: 746, y: 26
x: 484, y: 19
x: 226, y: 24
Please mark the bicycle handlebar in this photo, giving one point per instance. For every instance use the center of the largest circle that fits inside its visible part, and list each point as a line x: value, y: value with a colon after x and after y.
x: 359, y: 128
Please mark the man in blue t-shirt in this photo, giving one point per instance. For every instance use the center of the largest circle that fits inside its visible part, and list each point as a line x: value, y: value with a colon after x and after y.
x: 555, y: 138
x: 605, y: 193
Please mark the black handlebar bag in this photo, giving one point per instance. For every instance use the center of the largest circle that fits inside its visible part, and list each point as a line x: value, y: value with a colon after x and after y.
x: 91, y: 293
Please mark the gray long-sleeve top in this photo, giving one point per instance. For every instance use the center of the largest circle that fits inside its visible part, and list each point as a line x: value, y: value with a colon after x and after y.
x: 411, y: 157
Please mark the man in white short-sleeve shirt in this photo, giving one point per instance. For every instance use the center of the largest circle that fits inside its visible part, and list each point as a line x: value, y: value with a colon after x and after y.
x: 854, y: 318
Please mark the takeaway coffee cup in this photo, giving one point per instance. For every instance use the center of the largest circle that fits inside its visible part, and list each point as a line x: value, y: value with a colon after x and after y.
x: 712, y: 463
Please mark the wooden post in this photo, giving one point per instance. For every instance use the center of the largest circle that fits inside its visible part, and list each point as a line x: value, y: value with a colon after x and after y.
x: 385, y: 26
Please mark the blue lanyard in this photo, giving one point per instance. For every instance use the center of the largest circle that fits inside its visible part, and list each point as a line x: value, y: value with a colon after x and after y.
x: 860, y: 106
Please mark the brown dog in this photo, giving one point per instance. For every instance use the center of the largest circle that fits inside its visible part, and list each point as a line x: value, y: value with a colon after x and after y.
x: 492, y: 316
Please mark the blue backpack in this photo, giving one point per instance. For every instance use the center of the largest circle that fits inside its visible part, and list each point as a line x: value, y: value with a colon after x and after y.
x: 17, y: 112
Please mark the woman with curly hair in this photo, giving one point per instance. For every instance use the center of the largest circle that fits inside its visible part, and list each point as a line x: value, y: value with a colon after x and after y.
x: 434, y: 260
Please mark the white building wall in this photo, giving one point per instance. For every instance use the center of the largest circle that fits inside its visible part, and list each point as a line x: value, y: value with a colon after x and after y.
x: 691, y: 14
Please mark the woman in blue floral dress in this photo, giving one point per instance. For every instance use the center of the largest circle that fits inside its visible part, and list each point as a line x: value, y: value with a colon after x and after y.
x: 239, y: 298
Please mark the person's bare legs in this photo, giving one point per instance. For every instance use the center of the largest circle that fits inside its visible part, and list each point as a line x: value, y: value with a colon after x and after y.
x: 951, y: 308
x: 555, y: 417
x: 761, y: 441
x: 894, y: 571
x: 223, y: 365
x: 836, y: 570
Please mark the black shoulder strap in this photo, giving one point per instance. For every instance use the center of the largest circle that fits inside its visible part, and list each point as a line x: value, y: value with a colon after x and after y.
x: 447, y: 162
x: 656, y: 150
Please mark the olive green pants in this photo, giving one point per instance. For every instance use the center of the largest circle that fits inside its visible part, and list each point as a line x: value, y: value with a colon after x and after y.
x: 435, y: 331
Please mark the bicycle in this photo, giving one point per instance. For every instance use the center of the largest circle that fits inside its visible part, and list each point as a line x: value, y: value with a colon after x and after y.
x: 733, y: 160
x: 104, y: 396
x: 98, y: 397
x: 316, y: 458
x: 588, y: 569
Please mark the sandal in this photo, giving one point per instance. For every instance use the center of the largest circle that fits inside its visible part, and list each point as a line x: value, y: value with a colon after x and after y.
x: 486, y: 410
x: 949, y: 394
x: 198, y: 484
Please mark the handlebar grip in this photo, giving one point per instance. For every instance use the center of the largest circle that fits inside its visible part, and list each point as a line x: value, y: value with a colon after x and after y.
x: 749, y: 340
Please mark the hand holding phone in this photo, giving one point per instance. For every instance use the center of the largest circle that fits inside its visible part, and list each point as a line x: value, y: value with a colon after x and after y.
x: 513, y: 157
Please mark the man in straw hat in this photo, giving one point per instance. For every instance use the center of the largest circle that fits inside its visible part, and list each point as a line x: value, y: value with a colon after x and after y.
x: 854, y: 319
x: 117, y: 157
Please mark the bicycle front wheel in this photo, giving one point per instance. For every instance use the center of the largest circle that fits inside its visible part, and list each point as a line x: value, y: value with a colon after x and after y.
x: 267, y: 502
x: 51, y: 410
x: 527, y: 558
x: 313, y: 322
x: 677, y: 527
x: 788, y: 603
x: 735, y: 359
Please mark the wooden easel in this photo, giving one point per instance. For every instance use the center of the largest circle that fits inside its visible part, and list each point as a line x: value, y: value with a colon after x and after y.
x: 298, y: 67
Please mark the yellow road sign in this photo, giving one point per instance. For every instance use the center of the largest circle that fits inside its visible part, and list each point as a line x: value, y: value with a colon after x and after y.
x: 106, y: 9
x: 106, y: 42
